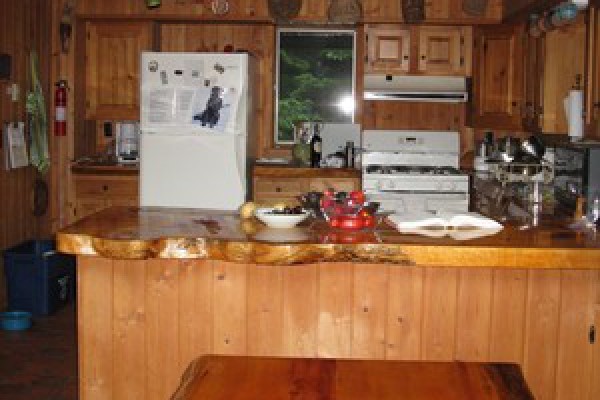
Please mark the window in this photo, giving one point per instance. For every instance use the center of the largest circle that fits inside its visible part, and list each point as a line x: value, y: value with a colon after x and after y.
x: 315, y: 78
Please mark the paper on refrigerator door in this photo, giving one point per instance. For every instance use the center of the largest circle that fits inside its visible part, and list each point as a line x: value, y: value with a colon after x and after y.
x: 182, y: 93
x: 214, y: 106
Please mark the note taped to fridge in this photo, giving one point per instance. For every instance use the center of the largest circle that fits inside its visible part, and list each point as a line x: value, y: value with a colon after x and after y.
x: 209, y: 107
x: 16, y: 146
x: 213, y: 105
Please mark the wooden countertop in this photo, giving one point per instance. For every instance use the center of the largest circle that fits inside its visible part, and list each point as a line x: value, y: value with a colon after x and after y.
x: 133, y: 233
x: 229, y: 377
x: 291, y: 171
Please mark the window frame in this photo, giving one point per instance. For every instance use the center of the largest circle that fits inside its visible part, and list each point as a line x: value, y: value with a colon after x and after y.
x: 278, y: 32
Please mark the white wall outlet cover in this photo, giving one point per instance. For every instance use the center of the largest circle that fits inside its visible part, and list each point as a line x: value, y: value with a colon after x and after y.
x: 13, y: 91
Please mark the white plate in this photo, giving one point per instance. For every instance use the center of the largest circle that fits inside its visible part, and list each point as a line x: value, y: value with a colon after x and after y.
x: 280, y: 221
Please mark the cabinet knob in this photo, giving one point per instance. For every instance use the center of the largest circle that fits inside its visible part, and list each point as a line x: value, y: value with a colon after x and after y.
x: 105, y: 187
x: 596, y: 104
x: 405, y: 57
x: 278, y: 189
x: 423, y: 57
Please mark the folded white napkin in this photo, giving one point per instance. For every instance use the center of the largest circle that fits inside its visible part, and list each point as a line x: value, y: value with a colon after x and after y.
x: 459, y: 226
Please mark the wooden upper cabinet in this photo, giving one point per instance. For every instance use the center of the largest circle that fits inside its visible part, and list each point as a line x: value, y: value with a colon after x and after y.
x: 564, y: 66
x: 430, y: 50
x: 533, y: 72
x: 592, y: 109
x: 388, y: 49
x: 497, y: 77
x: 444, y: 50
x: 112, y: 68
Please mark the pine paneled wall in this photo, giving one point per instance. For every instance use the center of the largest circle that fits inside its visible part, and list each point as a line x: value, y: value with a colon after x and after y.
x: 24, y: 25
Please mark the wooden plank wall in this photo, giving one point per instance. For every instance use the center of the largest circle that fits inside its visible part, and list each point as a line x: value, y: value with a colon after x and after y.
x: 24, y: 25
x: 142, y: 322
x: 312, y: 10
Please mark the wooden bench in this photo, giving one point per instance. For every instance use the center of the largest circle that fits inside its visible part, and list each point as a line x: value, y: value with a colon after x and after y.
x: 261, y: 378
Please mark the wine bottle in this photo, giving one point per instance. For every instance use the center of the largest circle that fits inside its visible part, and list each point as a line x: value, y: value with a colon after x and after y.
x: 316, y: 148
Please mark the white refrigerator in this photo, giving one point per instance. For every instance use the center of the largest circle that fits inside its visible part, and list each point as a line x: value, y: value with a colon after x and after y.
x: 196, y: 130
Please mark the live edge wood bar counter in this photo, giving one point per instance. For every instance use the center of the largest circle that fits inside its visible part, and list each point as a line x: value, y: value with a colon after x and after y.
x: 158, y: 288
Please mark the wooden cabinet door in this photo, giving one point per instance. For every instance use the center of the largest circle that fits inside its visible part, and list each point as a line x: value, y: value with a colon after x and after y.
x: 497, y: 77
x: 388, y: 49
x: 88, y: 206
x: 97, y: 192
x: 337, y: 184
x: 270, y: 190
x: 442, y: 50
x: 533, y: 72
x: 112, y: 68
x: 564, y: 65
x: 592, y: 108
x: 594, y: 332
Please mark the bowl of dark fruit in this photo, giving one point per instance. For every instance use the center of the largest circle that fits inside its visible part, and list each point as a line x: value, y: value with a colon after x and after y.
x: 311, y: 202
x: 287, y: 217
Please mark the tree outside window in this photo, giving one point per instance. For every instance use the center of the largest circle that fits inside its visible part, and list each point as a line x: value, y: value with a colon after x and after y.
x: 315, y: 79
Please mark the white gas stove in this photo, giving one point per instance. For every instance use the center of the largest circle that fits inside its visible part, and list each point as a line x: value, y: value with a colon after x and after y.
x: 408, y: 171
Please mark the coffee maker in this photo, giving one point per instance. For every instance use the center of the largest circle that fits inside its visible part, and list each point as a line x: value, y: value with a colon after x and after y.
x: 127, y: 142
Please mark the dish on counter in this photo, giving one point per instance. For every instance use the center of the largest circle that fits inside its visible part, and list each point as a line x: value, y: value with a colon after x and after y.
x: 277, y: 220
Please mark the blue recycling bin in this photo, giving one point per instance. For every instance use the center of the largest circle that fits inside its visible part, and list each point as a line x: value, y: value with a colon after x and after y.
x: 38, y: 279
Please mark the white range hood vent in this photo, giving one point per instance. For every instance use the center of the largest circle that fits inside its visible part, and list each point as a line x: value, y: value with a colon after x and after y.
x: 440, y: 89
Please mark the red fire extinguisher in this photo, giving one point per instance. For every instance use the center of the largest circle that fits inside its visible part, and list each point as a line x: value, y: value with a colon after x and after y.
x: 60, y: 104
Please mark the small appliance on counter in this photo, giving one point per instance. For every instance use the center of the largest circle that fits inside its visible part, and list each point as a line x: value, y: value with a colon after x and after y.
x: 127, y: 142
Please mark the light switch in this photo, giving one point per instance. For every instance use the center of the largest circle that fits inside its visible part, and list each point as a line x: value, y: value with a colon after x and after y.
x: 14, y: 92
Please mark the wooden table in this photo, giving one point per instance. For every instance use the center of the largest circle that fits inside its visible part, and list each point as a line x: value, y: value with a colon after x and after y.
x: 228, y: 377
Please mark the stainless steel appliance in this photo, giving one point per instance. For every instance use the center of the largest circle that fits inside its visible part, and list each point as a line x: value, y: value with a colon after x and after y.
x: 436, y: 89
x: 576, y: 173
x: 127, y: 142
x: 409, y: 171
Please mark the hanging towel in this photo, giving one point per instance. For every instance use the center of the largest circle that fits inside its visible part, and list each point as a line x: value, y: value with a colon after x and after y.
x: 38, y: 122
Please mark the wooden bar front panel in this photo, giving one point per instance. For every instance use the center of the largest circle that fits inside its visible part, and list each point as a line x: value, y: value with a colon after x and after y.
x: 141, y: 322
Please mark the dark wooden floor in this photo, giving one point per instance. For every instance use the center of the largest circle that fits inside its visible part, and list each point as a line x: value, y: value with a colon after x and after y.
x: 40, y: 363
